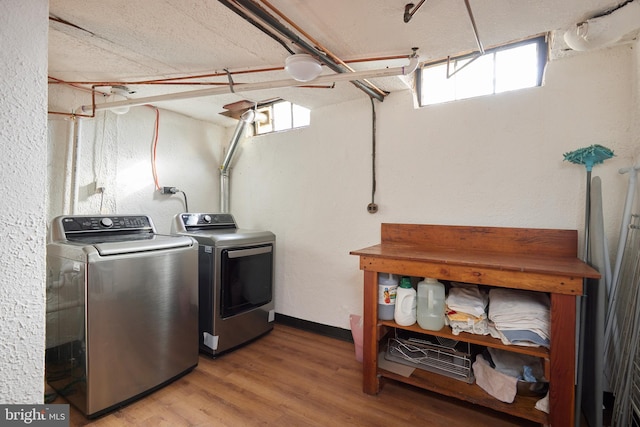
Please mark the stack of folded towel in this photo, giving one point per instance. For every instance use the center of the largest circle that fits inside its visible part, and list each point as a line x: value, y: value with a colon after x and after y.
x: 519, y: 317
x: 466, y: 309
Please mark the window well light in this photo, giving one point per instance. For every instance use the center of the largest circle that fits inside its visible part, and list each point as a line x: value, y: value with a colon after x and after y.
x: 302, y: 67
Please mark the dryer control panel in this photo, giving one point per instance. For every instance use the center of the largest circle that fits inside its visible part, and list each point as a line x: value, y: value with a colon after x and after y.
x: 191, y: 221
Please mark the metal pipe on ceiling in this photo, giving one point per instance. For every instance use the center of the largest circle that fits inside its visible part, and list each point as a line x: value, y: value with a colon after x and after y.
x: 268, y: 19
x: 247, y: 87
x: 408, y: 13
x: 475, y: 28
x: 256, y: 24
x: 317, y: 44
x: 177, y: 80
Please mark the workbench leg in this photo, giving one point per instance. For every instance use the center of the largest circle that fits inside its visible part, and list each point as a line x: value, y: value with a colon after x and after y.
x: 370, y: 381
x: 562, y: 378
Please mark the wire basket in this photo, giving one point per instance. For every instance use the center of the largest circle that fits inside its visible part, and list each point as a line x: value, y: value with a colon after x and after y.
x: 445, y: 357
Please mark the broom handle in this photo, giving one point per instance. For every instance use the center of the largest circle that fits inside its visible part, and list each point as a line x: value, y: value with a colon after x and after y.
x: 582, y: 306
x: 587, y: 219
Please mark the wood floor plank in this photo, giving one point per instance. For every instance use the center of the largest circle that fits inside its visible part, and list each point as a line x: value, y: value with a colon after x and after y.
x: 291, y: 377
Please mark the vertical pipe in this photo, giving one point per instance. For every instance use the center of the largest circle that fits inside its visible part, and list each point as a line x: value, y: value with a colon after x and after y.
x: 246, y: 118
x: 75, y: 184
x: 224, y: 191
x: 68, y: 174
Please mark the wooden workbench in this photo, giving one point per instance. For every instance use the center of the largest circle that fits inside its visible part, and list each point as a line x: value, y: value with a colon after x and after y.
x: 541, y: 260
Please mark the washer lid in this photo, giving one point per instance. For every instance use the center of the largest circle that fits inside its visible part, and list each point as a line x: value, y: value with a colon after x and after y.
x: 156, y: 242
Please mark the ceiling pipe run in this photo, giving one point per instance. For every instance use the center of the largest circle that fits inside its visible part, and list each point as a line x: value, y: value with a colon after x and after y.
x: 246, y: 118
x: 247, y: 87
x: 258, y: 11
x: 231, y: 5
x: 604, y: 30
x: 318, y: 45
x: 180, y: 80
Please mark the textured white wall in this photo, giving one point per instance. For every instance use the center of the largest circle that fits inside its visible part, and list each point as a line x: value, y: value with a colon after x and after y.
x: 115, y: 154
x: 23, y: 100
x: 495, y: 161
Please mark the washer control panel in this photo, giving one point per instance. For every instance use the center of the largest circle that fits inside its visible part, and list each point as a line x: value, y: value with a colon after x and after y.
x: 106, y: 223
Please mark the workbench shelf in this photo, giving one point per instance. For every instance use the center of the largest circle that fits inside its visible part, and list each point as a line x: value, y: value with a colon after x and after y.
x: 540, y: 260
x: 483, y: 340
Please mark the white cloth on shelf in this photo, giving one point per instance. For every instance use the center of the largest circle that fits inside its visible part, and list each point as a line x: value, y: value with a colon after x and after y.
x: 543, y: 404
x: 467, y: 298
x: 519, y: 316
x: 501, y: 386
x: 475, y: 326
x: 466, y: 309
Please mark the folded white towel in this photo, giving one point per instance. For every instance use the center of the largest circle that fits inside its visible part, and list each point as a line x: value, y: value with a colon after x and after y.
x: 467, y: 298
x: 519, y: 310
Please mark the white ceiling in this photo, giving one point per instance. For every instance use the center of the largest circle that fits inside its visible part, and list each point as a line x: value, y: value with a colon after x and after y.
x: 130, y: 41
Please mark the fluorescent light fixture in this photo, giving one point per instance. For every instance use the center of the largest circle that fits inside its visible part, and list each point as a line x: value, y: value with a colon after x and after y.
x: 302, y: 67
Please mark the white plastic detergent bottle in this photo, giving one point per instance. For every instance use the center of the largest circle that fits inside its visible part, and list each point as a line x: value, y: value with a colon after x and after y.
x: 431, y: 301
x: 387, y: 285
x: 405, y: 312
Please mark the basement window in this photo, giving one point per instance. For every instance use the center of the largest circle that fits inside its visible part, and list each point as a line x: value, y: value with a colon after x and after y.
x: 280, y: 116
x: 509, y: 67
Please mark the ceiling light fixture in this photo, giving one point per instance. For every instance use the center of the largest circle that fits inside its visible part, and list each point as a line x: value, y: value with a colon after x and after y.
x: 302, y: 67
x: 120, y: 93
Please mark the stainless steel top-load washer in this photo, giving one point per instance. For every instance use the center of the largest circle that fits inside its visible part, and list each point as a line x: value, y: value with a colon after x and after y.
x: 235, y: 280
x: 122, y: 309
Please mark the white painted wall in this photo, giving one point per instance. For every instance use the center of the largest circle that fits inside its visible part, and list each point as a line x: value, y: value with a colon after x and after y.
x: 494, y: 161
x: 116, y: 154
x: 23, y: 127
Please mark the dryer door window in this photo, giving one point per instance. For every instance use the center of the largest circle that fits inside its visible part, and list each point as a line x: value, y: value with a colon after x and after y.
x: 246, y: 278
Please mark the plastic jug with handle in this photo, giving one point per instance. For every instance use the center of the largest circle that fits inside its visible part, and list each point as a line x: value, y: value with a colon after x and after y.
x: 431, y: 302
x: 405, y: 312
x: 387, y: 287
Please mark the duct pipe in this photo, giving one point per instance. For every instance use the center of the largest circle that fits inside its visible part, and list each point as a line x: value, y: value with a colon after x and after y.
x: 246, y: 118
x: 247, y: 87
x: 604, y: 30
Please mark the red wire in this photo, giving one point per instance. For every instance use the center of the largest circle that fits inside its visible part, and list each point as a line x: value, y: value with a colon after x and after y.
x: 154, y: 148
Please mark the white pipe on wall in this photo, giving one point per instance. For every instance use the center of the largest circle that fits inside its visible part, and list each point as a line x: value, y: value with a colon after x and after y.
x: 75, y: 184
x: 247, y: 87
x: 604, y: 30
x: 68, y: 174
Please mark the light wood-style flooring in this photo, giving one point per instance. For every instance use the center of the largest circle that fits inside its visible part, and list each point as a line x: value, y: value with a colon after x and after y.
x: 287, y: 378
